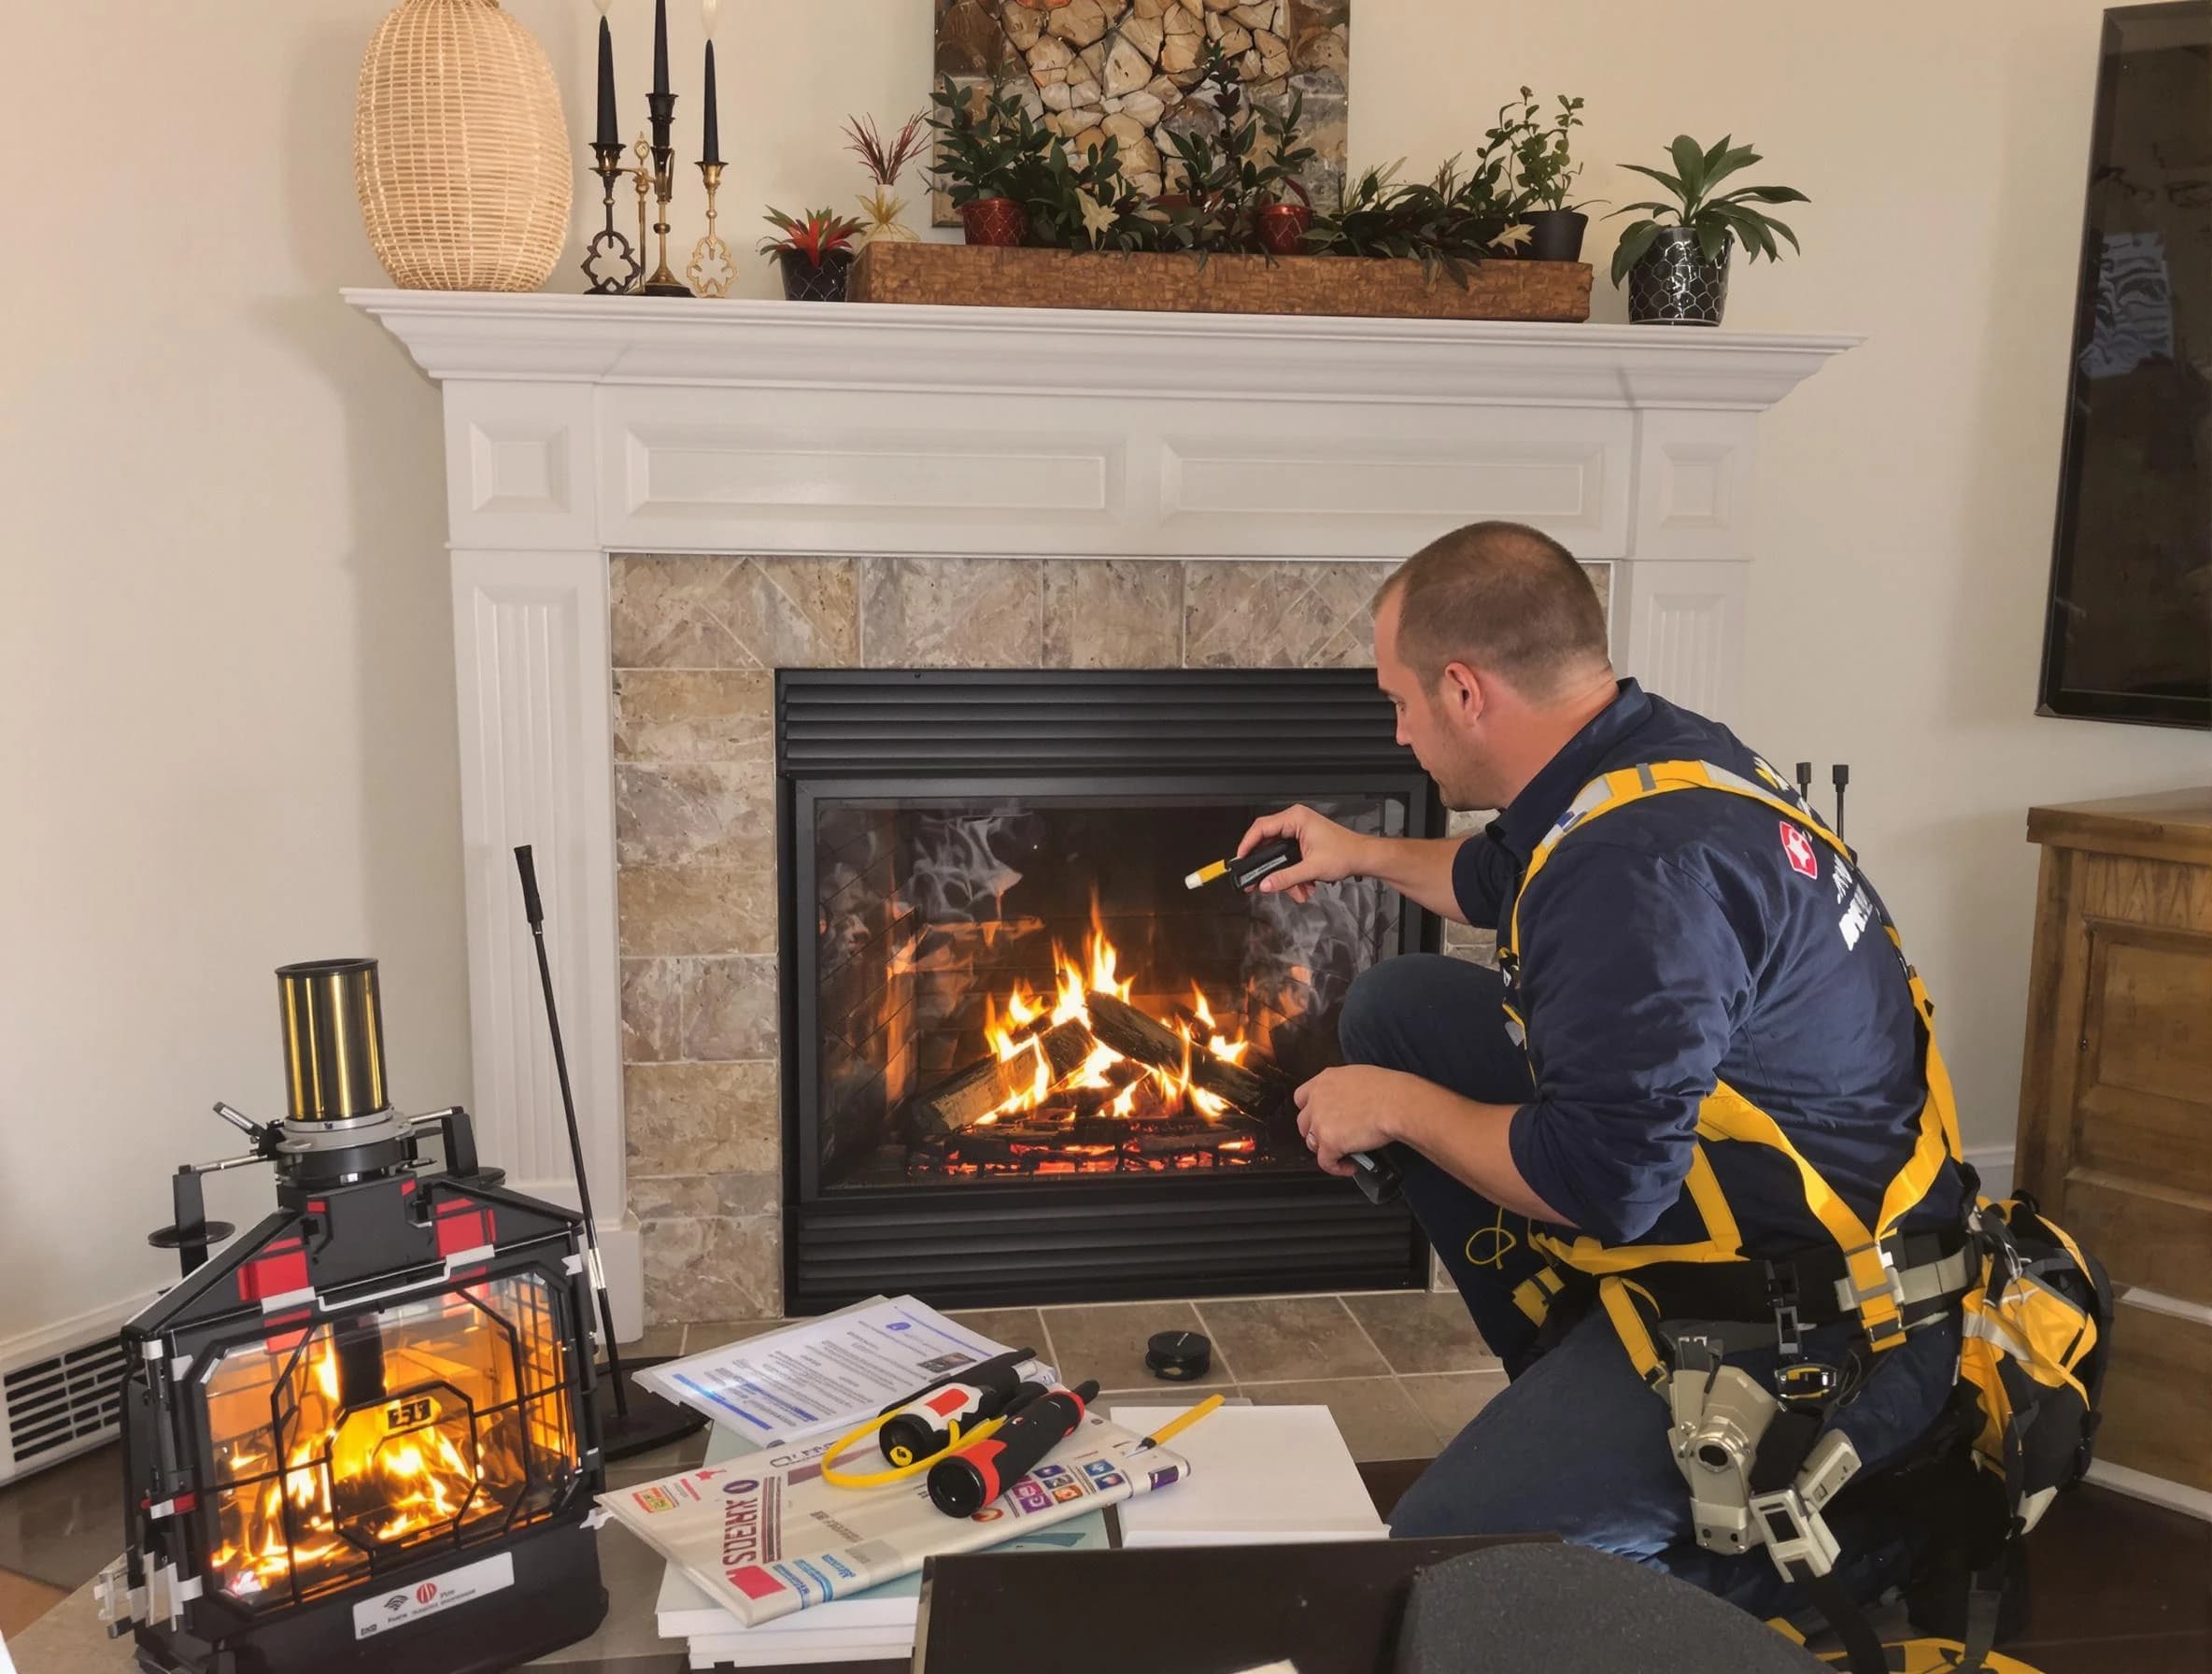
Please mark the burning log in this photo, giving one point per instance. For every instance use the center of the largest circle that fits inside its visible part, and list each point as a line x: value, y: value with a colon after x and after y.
x: 968, y: 1095
x: 1130, y: 1032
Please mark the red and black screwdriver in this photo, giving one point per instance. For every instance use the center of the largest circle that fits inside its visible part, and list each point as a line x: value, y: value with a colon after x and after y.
x: 964, y: 1484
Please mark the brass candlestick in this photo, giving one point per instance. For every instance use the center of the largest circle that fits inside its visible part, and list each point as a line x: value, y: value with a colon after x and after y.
x: 711, y: 270
x: 609, y: 262
x: 663, y: 282
x: 644, y: 173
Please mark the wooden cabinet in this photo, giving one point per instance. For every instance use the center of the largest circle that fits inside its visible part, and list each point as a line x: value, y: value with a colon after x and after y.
x: 2116, y: 1099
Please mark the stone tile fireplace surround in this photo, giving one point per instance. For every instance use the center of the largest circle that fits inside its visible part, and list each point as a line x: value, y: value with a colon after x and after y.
x: 655, y: 504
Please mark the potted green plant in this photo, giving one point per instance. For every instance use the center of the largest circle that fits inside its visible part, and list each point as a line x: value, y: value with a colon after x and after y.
x: 816, y: 252
x: 1545, y: 171
x: 1237, y: 190
x: 1677, y: 268
x: 989, y: 150
x: 1448, y: 223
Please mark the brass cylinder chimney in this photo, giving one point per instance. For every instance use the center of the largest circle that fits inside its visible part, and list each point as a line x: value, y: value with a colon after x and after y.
x: 333, y: 1040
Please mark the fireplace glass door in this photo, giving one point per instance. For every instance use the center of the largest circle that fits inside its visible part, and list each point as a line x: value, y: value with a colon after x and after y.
x: 1022, y: 987
x: 1023, y: 1062
x: 441, y: 1421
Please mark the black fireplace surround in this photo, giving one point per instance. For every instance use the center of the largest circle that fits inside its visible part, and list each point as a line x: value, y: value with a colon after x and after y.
x: 965, y: 856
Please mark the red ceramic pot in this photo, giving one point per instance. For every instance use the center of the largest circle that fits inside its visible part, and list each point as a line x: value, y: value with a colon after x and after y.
x: 1283, y: 228
x: 994, y: 220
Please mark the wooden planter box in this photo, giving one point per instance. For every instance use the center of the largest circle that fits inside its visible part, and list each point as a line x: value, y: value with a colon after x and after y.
x: 984, y: 276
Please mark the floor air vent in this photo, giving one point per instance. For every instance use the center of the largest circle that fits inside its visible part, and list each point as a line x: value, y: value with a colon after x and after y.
x: 59, y: 1405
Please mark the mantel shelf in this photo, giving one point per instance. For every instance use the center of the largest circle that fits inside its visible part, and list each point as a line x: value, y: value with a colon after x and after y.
x: 1057, y: 351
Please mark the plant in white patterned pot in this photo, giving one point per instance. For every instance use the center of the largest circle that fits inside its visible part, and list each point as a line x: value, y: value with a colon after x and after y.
x: 885, y: 161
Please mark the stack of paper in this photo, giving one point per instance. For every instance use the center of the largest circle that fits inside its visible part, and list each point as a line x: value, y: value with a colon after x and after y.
x: 874, y: 1625
x: 1258, y: 1475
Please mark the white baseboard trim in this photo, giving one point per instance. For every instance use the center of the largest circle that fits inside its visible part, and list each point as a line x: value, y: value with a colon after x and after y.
x: 2158, y: 1490
x: 1993, y: 1163
x: 2158, y: 1303
x: 621, y: 1253
x: 42, y: 1341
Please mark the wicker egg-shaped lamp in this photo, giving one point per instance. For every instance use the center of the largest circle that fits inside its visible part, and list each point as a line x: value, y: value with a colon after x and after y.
x: 461, y: 154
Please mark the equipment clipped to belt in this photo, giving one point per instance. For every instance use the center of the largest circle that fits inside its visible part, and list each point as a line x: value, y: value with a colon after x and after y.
x: 1763, y: 1462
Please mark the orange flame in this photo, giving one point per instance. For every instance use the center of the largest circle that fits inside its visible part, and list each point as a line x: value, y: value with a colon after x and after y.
x: 1017, y: 1032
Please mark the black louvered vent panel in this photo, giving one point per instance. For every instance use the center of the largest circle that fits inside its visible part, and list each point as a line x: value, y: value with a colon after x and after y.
x: 837, y: 722
x: 64, y: 1398
x: 1301, y: 1235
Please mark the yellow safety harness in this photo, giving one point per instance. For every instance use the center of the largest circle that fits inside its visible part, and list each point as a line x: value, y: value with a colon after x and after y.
x: 2035, y: 1310
x: 1725, y: 1113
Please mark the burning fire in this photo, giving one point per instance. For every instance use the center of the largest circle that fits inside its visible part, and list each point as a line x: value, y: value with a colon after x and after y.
x: 1017, y: 1033
x: 387, y: 1480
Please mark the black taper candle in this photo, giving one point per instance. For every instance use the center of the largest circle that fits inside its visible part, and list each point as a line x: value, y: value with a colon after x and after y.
x: 610, y: 131
x: 711, y: 147
x: 661, y: 46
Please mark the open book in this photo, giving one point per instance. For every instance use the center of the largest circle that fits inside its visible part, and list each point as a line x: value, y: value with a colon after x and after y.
x: 764, y: 1534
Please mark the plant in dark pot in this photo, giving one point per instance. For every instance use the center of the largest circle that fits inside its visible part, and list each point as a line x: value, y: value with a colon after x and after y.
x: 1544, y: 171
x: 990, y: 152
x: 816, y: 252
x: 1677, y: 268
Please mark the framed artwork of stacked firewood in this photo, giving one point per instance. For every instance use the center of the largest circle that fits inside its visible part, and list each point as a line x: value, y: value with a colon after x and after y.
x: 1123, y: 69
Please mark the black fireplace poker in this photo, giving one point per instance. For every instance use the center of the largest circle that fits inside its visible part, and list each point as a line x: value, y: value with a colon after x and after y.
x: 627, y: 1431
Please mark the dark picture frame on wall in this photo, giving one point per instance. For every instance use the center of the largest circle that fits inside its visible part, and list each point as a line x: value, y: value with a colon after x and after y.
x: 2128, y: 634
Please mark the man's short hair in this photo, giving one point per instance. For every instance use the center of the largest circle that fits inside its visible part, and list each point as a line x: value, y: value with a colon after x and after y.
x: 1499, y: 596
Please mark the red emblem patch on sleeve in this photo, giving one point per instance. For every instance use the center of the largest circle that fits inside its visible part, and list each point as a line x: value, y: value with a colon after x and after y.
x: 1798, y: 847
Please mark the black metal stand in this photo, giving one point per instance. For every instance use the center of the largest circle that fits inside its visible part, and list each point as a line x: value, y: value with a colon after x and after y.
x: 629, y: 1426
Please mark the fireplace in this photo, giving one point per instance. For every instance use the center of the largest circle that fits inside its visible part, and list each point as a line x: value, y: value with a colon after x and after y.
x: 1023, y: 1062
x: 369, y: 1417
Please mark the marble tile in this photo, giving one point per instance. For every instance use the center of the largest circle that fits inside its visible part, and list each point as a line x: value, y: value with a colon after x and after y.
x: 950, y: 613
x: 734, y: 613
x: 1376, y: 1416
x: 1268, y: 614
x: 631, y: 1571
x: 694, y: 715
x: 1478, y: 947
x: 663, y: 1198
x: 703, y: 1118
x: 1106, y: 1341
x: 712, y: 1269
x: 668, y: 814
x: 1013, y: 1327
x: 652, y: 1009
x: 1272, y: 1338
x: 61, y: 1525
x: 698, y: 908
x: 1601, y: 578
x: 1113, y: 614
x: 729, y: 1008
x: 1418, y: 1332
x: 703, y: 1335
x: 1450, y: 1400
x: 657, y: 1342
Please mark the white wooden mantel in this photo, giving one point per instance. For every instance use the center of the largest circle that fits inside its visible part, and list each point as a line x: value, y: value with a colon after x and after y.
x: 580, y: 426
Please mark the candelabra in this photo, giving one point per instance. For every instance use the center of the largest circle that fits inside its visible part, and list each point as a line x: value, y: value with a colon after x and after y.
x: 712, y: 268
x: 663, y: 282
x: 609, y: 262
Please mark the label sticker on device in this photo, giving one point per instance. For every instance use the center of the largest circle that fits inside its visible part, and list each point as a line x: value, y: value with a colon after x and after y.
x: 388, y: 1611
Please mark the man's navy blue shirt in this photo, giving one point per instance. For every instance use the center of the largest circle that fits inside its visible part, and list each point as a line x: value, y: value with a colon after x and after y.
x: 1674, y: 943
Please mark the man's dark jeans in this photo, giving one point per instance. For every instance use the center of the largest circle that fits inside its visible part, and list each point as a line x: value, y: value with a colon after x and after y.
x: 1576, y: 1443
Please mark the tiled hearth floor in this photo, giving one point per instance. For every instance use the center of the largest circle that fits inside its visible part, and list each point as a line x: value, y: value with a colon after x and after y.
x: 2119, y: 1585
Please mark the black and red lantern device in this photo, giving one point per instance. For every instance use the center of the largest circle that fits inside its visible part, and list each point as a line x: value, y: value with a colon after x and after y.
x: 369, y: 1418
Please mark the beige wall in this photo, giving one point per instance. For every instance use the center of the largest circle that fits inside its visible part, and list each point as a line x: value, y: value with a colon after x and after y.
x: 226, y: 708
